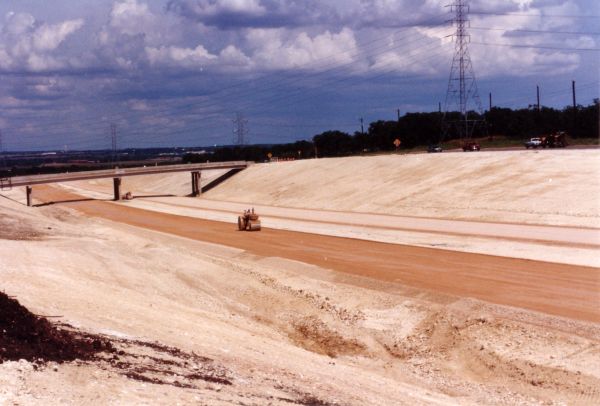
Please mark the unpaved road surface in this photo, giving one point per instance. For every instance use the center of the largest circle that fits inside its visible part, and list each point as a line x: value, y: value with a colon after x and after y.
x: 559, y: 289
x: 556, y: 235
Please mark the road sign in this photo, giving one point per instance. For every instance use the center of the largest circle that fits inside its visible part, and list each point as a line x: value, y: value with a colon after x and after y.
x: 397, y: 143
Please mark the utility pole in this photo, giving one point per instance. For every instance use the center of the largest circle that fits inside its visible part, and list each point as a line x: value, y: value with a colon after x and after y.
x: 538, y: 98
x: 398, y: 111
x: 113, y: 138
x: 462, y: 86
x: 240, y: 129
x: 490, y: 101
x: 362, y: 126
x: 2, y: 157
x: 573, y: 133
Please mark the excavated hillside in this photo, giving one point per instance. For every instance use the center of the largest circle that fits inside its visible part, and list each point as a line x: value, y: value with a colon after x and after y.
x: 560, y: 187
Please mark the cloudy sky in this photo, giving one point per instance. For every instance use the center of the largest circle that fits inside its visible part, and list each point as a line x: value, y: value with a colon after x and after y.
x: 176, y: 72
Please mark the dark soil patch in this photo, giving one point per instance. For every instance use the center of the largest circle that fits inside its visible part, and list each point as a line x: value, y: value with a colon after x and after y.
x: 24, y: 335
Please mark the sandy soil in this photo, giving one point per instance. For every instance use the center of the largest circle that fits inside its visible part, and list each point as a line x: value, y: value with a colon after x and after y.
x: 290, y: 332
x: 538, y: 187
x: 563, y: 232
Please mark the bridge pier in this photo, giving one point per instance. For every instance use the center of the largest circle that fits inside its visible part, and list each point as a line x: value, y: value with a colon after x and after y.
x: 196, y: 183
x: 28, y: 190
x: 117, y: 189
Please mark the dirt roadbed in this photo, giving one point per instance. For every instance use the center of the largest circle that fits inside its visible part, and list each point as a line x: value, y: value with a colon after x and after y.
x: 558, y: 289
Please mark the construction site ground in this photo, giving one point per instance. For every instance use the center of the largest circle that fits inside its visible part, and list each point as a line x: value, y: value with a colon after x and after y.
x: 420, y: 279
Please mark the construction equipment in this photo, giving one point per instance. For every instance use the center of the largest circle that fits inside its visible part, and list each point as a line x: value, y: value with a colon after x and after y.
x: 249, y: 221
x: 555, y: 140
x: 471, y: 146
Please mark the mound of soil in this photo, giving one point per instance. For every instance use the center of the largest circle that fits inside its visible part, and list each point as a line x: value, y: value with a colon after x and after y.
x: 23, y: 335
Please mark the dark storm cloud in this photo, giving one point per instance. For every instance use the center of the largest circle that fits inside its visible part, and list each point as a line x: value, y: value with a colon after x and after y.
x: 255, y: 14
x: 306, y: 13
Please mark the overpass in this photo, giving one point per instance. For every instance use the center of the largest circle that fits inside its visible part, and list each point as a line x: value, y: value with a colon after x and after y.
x: 118, y: 173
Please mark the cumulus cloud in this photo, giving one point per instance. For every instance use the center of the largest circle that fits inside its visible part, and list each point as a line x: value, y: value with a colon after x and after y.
x: 132, y: 17
x: 49, y: 37
x: 28, y: 44
x: 277, y: 49
x: 179, y: 56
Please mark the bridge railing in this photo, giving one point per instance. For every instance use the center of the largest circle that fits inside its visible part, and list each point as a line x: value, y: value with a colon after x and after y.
x: 122, y: 172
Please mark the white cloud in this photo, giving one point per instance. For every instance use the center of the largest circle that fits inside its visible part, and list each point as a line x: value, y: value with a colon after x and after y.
x: 130, y: 17
x: 232, y: 56
x: 172, y: 55
x: 49, y: 37
x: 213, y: 7
x: 28, y: 44
x: 277, y: 49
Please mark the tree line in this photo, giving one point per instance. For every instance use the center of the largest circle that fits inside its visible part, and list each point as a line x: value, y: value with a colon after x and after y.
x: 421, y: 129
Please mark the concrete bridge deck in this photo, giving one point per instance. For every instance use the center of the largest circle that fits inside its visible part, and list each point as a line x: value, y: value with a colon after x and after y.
x: 118, y: 173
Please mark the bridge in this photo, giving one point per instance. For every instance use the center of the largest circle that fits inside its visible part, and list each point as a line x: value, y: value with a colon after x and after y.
x: 118, y: 173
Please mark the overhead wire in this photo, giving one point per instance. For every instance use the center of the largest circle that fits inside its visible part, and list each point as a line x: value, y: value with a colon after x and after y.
x: 516, y: 14
x: 268, y: 77
x: 535, y: 31
x: 338, y: 68
x: 538, y: 47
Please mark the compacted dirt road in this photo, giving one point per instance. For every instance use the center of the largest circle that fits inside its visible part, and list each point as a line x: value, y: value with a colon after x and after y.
x: 558, y: 289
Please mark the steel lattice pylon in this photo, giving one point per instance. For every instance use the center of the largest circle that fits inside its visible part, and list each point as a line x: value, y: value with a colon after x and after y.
x: 462, y: 87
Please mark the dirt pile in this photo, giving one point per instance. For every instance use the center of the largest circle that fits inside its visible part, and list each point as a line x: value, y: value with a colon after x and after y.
x: 24, y: 335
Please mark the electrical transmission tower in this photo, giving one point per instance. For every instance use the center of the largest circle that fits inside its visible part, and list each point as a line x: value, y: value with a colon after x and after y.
x: 240, y: 129
x: 462, y: 87
x: 113, y: 138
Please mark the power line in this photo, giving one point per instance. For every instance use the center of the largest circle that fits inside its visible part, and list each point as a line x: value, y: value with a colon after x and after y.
x: 532, y: 15
x: 272, y: 84
x: 193, y: 138
x: 287, y: 95
x: 535, y: 31
x: 539, y: 47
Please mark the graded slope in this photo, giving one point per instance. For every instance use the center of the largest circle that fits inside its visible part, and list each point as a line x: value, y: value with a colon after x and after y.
x: 538, y: 187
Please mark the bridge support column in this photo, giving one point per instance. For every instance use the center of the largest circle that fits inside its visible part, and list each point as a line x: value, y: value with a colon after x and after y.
x: 28, y: 190
x: 117, y: 189
x: 196, y: 184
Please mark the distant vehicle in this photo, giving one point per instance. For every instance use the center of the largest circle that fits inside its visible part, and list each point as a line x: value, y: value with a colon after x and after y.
x: 533, y: 143
x: 471, y: 146
x: 555, y: 140
x: 434, y: 148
